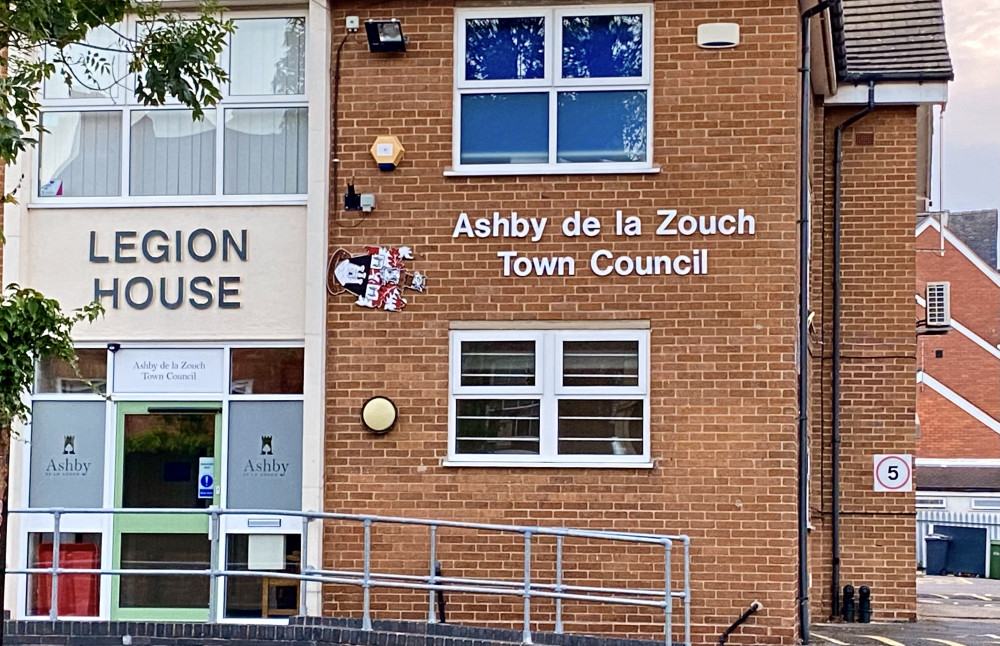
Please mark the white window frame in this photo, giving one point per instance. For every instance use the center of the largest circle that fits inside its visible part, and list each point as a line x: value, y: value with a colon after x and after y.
x: 548, y: 389
x: 931, y: 502
x: 552, y: 83
x: 124, y: 101
x: 985, y: 504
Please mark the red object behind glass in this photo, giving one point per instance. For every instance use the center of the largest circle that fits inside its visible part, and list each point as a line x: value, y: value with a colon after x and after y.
x: 79, y: 594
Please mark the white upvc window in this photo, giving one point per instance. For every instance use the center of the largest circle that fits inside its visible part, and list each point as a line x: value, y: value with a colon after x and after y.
x: 102, y: 147
x: 553, y: 89
x: 986, y: 504
x: 924, y: 502
x: 534, y: 397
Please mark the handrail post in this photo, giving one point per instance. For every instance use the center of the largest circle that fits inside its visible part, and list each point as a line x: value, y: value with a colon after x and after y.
x: 668, y: 608
x: 559, y: 586
x: 56, y: 542
x: 213, y: 590
x: 432, y: 579
x: 366, y: 621
x: 687, y: 591
x: 526, y: 635
x: 303, y: 556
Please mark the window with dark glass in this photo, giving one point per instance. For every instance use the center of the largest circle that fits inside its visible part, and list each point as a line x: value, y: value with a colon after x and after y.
x: 262, y: 597
x: 266, y: 371
x: 89, y: 377
x: 553, y: 87
x: 552, y: 396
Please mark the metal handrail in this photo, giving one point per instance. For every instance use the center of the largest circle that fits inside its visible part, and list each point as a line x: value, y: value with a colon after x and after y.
x: 366, y: 579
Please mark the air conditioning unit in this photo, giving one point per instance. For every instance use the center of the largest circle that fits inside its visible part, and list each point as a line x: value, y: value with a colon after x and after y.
x: 938, y: 309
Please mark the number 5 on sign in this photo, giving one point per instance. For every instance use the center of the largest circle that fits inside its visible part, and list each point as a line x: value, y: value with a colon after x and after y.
x: 893, y: 473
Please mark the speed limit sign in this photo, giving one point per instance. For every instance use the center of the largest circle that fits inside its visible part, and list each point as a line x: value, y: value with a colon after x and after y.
x: 893, y: 473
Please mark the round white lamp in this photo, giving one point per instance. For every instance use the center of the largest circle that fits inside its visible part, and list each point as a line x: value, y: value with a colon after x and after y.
x: 379, y: 414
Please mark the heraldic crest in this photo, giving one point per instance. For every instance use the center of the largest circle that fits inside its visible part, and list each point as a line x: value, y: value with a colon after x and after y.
x: 377, y: 278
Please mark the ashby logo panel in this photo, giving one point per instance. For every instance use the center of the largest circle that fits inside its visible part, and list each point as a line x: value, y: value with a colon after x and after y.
x: 265, y: 455
x: 67, y: 454
x: 269, y: 466
x: 66, y: 465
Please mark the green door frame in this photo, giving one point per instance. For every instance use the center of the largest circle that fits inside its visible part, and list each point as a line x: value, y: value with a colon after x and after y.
x: 157, y: 523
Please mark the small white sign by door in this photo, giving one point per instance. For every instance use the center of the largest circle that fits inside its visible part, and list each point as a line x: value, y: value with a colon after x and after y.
x: 206, y: 478
x: 894, y: 472
x: 168, y: 370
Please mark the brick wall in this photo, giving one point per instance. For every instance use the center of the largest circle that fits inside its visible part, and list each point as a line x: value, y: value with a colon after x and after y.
x: 975, y: 299
x: 877, y: 358
x: 947, y: 431
x: 722, y: 351
x: 299, y: 630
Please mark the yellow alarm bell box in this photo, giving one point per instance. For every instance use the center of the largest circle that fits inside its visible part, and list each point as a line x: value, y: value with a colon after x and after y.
x: 387, y: 152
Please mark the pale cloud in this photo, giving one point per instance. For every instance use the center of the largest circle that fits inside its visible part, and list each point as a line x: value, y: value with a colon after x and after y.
x: 972, y: 118
x: 973, y: 29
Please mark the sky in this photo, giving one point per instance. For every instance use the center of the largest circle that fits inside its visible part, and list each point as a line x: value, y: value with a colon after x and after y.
x: 971, y: 125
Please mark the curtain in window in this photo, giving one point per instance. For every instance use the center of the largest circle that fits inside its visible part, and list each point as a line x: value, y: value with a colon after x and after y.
x: 265, y: 151
x: 172, y: 154
x: 268, y: 57
x: 81, y: 154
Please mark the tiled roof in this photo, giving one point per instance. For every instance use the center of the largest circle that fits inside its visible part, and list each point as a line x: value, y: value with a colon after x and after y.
x: 956, y: 478
x: 891, y: 40
x: 978, y: 230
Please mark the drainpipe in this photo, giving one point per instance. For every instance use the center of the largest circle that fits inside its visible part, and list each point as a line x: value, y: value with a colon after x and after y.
x: 838, y: 153
x: 803, y: 421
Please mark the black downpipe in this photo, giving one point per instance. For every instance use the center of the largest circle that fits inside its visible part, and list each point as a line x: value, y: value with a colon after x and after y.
x: 803, y: 421
x: 838, y: 150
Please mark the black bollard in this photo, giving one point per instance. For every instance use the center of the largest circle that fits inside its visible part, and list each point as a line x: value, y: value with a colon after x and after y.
x: 848, y: 606
x: 864, y: 604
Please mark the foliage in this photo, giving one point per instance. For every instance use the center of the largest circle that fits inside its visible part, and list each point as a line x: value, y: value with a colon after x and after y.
x: 31, y: 327
x: 177, y: 435
x: 169, y: 56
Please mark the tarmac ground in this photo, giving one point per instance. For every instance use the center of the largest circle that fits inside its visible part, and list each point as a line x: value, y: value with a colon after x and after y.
x: 951, y: 611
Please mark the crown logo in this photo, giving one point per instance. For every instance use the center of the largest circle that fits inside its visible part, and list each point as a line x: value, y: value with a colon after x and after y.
x: 265, y: 445
x: 69, y: 445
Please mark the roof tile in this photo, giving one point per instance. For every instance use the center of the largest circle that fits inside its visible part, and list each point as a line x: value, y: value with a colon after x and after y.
x: 893, y: 39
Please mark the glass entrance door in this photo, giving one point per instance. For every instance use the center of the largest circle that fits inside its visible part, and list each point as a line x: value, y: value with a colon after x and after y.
x: 164, y: 451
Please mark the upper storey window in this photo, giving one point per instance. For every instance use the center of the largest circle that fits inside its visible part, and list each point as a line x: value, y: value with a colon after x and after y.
x: 100, y: 145
x: 553, y: 90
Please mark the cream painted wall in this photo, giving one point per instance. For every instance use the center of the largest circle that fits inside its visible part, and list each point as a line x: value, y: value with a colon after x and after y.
x: 271, y: 280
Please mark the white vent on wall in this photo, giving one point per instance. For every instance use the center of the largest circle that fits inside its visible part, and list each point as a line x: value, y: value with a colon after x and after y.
x: 938, y: 305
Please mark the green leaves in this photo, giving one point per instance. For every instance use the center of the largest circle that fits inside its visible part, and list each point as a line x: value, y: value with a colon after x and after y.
x: 171, y: 57
x: 32, y: 327
x: 177, y: 57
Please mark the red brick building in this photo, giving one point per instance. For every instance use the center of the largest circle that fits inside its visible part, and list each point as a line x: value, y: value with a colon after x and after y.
x: 713, y: 450
x: 662, y: 254
x: 958, y: 391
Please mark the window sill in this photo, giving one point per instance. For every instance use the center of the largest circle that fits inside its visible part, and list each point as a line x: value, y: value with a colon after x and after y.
x: 549, y: 170
x: 144, y: 203
x: 548, y: 465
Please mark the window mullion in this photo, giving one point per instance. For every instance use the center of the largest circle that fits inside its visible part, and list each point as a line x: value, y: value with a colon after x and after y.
x: 553, y: 126
x: 553, y: 63
x: 549, y: 405
x: 126, y: 163
x: 220, y: 146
